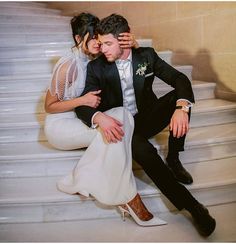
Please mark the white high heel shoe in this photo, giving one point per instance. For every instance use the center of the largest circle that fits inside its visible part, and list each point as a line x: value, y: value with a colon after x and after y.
x: 152, y: 222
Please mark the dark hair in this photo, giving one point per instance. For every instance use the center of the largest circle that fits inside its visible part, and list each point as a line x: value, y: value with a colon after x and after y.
x: 82, y: 24
x: 113, y: 24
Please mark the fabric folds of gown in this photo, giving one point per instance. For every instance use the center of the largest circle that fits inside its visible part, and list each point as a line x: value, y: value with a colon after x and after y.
x: 105, y: 170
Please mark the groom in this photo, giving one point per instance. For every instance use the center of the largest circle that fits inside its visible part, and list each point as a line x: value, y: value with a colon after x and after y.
x: 125, y: 77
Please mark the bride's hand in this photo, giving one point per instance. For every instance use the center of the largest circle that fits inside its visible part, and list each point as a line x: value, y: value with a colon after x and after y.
x: 127, y: 40
x: 91, y: 99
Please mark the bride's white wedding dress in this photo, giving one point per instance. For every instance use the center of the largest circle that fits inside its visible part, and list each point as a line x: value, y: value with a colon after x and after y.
x: 105, y: 170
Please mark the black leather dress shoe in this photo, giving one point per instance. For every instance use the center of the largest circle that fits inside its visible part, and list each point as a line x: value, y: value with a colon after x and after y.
x: 180, y: 173
x: 204, y: 222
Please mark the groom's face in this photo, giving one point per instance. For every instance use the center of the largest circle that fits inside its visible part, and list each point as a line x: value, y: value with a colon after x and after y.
x: 110, y: 47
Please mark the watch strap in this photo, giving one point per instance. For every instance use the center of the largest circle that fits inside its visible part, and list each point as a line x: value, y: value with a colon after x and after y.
x: 184, y: 108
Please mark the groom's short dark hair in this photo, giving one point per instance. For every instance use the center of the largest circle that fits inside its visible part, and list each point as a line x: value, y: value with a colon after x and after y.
x: 113, y: 24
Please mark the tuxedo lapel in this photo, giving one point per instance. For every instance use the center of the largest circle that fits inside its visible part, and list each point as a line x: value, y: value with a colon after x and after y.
x: 138, y: 80
x: 113, y: 81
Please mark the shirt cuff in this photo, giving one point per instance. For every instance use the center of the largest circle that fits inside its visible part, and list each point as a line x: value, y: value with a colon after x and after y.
x: 189, y: 103
x: 94, y: 126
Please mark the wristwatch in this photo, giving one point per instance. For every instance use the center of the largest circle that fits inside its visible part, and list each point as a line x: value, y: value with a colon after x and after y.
x: 184, y: 108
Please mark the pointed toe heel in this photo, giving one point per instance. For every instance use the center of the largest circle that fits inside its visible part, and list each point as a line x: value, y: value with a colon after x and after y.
x: 152, y: 222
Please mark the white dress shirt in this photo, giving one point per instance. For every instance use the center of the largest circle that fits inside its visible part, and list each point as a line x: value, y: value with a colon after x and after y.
x: 125, y: 70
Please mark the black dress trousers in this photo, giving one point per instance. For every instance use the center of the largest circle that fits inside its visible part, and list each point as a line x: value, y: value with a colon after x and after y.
x: 148, y: 124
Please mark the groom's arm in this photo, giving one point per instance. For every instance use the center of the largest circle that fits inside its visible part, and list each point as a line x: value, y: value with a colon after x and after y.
x: 110, y: 127
x: 179, y: 123
x: 173, y: 77
x: 85, y: 113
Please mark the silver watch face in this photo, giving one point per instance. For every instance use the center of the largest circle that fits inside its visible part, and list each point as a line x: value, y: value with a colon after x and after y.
x: 185, y: 108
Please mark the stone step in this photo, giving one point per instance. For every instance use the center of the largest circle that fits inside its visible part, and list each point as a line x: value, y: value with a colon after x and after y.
x: 29, y: 127
x: 212, y: 134
x: 22, y: 101
x: 220, y: 111
x: 24, y: 84
x: 10, y: 39
x: 36, y: 50
x: 37, y: 199
x: 202, y: 90
x: 165, y: 55
x: 21, y: 105
x: 23, y: 10
x: 23, y: 65
x: 178, y: 229
x: 29, y: 159
x: 52, y: 162
x: 36, y: 18
x: 186, y: 69
x: 34, y: 28
x: 14, y: 5
x: 213, y: 111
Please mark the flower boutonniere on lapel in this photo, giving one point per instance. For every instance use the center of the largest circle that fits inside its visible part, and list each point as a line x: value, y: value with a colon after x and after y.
x: 141, y: 69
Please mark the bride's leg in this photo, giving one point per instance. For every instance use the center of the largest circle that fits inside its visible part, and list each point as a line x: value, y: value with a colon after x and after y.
x: 137, y: 205
x: 68, y: 132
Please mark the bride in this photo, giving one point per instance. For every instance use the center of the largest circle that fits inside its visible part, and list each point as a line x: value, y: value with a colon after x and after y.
x: 105, y: 169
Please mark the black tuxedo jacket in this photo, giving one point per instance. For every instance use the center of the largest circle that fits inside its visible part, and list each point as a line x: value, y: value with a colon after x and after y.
x: 103, y: 75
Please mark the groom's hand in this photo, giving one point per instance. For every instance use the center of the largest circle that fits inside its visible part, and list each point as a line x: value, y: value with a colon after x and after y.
x: 111, y: 128
x: 179, y: 123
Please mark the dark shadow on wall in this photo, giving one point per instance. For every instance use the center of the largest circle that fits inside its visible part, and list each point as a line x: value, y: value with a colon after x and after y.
x: 201, y: 62
x: 202, y: 70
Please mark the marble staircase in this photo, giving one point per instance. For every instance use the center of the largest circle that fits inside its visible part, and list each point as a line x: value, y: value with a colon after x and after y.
x: 32, y: 39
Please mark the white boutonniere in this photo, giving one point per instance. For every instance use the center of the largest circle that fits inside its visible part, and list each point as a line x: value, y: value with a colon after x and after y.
x: 141, y: 69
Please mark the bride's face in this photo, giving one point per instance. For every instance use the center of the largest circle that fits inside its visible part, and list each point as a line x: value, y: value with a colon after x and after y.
x: 93, y: 46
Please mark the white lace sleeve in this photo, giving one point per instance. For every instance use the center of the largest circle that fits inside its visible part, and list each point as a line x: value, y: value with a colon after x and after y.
x: 64, y: 78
